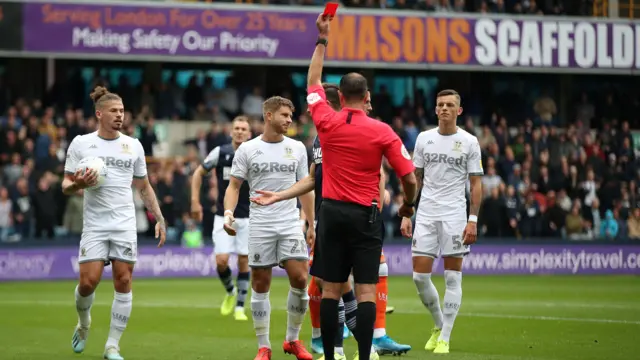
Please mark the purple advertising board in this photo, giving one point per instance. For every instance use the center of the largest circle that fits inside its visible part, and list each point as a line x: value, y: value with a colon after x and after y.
x: 61, y: 263
x: 363, y: 38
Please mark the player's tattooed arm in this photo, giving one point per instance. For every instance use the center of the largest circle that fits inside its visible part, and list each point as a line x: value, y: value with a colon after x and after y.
x: 476, y: 194
x: 149, y: 198
x: 419, y: 172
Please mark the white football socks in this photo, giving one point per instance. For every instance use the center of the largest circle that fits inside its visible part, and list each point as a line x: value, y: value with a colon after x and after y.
x: 120, y: 313
x: 452, y: 301
x: 83, y: 306
x: 297, y: 303
x: 261, y: 312
x: 429, y: 296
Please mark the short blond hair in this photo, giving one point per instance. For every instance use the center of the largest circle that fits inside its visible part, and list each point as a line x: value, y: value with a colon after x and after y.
x: 241, y: 118
x: 272, y: 104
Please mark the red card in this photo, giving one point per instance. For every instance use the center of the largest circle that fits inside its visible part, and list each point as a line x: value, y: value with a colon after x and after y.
x: 330, y: 9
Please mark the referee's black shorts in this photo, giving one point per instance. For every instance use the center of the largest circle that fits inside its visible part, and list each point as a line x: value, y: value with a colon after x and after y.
x: 348, y: 240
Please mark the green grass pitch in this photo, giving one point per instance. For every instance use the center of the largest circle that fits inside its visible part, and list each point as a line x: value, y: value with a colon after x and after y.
x: 502, y: 318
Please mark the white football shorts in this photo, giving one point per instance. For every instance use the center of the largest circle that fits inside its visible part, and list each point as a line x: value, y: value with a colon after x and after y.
x: 108, y: 245
x: 227, y: 244
x: 272, y: 244
x: 435, y: 238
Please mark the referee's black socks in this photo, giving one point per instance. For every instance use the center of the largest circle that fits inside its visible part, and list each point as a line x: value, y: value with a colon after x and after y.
x: 366, y: 319
x: 329, y: 325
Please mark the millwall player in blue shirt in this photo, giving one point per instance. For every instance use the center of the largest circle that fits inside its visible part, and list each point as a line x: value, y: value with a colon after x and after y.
x: 219, y: 161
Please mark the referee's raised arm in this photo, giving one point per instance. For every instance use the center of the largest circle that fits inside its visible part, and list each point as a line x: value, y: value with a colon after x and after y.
x: 349, y: 222
x: 321, y: 112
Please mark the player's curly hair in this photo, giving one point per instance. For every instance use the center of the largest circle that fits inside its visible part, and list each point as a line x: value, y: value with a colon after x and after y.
x: 272, y: 104
x: 101, y: 95
x: 333, y: 97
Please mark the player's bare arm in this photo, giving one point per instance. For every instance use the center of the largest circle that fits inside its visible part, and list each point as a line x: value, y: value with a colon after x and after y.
x: 151, y: 203
x: 470, y: 234
x: 230, y: 202
x: 406, y: 226
x: 78, y: 181
x: 196, y: 184
x: 307, y: 201
x: 304, y: 186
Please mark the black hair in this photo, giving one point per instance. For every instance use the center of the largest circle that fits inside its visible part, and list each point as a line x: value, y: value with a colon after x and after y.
x: 353, y: 87
x: 333, y: 97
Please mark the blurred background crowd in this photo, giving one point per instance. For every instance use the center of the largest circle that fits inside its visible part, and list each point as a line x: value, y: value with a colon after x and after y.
x: 575, y: 177
x: 559, y: 155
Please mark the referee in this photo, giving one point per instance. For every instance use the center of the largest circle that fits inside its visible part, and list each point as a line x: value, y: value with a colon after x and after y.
x: 350, y: 232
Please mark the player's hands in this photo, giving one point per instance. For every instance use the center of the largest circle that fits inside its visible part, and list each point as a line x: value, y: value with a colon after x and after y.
x: 266, y: 198
x: 311, y: 236
x: 85, y: 179
x: 228, y: 223
x: 470, y: 234
x: 406, y: 227
x: 196, y: 211
x: 406, y: 211
x: 322, y: 23
x: 161, y: 232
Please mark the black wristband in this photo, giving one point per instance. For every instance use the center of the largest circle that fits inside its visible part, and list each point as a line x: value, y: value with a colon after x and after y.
x: 410, y: 204
x: 322, y: 41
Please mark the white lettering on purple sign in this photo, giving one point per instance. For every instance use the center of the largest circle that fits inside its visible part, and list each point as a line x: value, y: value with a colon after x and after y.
x: 16, y: 266
x: 533, y: 43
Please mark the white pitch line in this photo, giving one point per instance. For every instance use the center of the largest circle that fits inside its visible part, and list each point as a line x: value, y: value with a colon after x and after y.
x: 530, y: 304
x: 551, y: 318
x: 282, y: 308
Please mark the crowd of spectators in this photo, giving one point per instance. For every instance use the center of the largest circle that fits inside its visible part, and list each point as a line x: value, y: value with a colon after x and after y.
x: 533, y: 7
x: 542, y: 179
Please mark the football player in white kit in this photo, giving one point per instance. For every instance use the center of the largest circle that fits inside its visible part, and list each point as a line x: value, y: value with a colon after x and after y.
x: 445, y: 158
x: 274, y: 162
x: 109, y: 227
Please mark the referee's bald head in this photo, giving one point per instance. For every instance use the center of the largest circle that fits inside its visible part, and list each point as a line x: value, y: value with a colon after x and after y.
x: 353, y: 87
x: 331, y: 91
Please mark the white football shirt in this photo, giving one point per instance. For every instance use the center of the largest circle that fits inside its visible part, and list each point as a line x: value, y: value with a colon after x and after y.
x: 271, y: 167
x: 448, y: 161
x: 110, y: 206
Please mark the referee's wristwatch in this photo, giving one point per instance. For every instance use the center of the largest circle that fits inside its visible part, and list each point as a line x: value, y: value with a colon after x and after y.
x: 413, y: 204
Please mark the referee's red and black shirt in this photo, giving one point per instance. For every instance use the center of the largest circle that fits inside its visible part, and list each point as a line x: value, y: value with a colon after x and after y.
x: 353, y: 145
